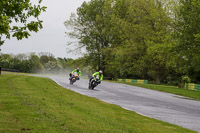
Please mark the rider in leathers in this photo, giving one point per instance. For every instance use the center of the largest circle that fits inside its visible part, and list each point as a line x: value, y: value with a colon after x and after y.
x: 77, y: 71
x: 98, y: 75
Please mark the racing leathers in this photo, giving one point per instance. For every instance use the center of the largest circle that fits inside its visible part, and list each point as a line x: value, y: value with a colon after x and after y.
x: 97, y: 75
x: 77, y: 71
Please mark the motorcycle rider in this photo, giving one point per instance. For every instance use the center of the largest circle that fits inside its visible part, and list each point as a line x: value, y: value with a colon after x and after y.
x: 77, y: 71
x: 97, y: 74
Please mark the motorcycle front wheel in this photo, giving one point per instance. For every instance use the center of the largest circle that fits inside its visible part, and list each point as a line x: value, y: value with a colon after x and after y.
x: 71, y: 82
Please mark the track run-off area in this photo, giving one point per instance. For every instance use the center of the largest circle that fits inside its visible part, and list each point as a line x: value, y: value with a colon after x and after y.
x: 163, y: 106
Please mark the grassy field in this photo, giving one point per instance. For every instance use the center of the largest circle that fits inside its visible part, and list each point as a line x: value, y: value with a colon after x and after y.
x: 190, y: 94
x: 39, y: 105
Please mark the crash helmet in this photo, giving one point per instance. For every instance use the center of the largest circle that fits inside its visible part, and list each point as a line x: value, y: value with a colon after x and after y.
x: 100, y: 72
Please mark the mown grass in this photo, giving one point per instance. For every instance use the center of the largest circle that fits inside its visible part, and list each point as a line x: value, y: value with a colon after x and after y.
x: 190, y: 94
x: 39, y: 105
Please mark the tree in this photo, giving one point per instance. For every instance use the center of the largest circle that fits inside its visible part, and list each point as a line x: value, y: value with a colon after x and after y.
x: 5, y: 60
x: 188, y: 38
x: 15, y: 18
x: 90, y: 27
x: 62, y: 62
x: 36, y: 64
x: 141, y: 34
x: 45, y: 57
x: 52, y: 67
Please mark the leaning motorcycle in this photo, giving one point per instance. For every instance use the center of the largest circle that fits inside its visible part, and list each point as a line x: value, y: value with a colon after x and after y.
x: 74, y: 78
x: 94, y: 82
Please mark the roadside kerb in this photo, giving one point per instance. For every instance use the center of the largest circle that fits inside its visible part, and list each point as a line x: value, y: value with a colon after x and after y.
x: 192, y: 86
x: 139, y: 81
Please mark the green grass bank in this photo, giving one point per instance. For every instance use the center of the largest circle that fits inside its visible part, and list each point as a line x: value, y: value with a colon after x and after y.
x: 39, y: 105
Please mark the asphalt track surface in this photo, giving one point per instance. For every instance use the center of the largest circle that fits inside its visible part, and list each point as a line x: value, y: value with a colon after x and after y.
x: 167, y: 107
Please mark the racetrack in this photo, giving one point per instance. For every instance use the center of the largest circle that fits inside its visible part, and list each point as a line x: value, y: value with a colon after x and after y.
x: 159, y: 105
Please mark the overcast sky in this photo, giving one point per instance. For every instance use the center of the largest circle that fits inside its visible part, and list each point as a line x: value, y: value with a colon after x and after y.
x: 52, y: 37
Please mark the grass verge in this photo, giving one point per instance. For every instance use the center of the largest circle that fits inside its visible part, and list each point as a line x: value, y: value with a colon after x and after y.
x: 189, y: 94
x: 33, y: 104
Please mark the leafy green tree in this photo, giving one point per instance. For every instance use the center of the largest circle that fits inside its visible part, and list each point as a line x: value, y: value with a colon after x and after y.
x: 141, y: 36
x: 91, y: 26
x: 62, y: 62
x: 36, y: 64
x: 5, y: 60
x: 45, y: 57
x: 52, y: 66
x: 132, y: 38
x: 15, y: 16
x: 188, y: 38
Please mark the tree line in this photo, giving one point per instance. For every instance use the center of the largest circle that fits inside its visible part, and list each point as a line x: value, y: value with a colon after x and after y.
x: 42, y: 63
x: 158, y: 40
